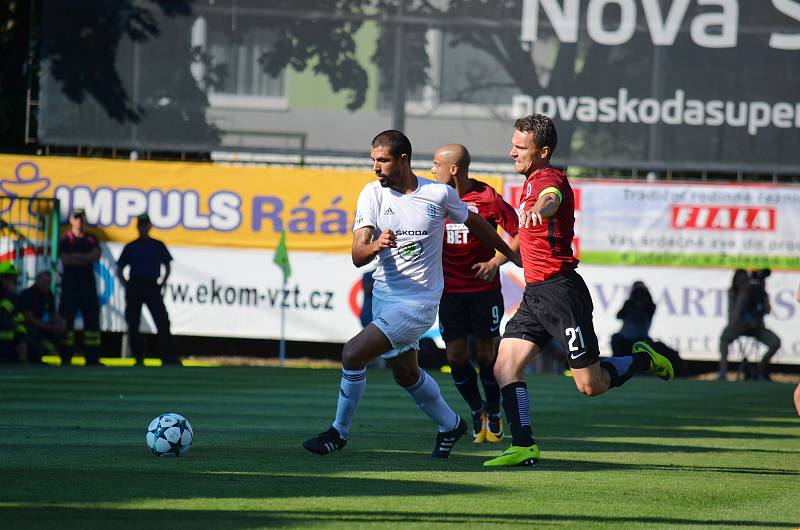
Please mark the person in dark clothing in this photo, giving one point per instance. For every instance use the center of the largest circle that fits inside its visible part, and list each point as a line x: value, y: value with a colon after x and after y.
x: 78, y: 252
x: 144, y: 257
x: 747, y: 304
x: 45, y: 326
x: 12, y: 323
x: 636, y: 315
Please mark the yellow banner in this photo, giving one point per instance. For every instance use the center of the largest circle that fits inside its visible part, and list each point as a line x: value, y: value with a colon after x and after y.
x: 199, y: 204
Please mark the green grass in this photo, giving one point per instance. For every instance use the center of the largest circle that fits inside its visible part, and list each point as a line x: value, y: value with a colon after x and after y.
x: 686, y: 454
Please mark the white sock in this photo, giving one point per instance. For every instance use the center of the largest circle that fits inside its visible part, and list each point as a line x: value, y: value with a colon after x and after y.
x: 428, y: 397
x: 351, y: 390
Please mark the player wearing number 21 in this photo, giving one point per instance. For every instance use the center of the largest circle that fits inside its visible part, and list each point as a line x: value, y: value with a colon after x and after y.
x: 556, y: 303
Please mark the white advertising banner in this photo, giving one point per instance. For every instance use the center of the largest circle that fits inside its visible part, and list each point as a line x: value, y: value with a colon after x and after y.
x: 698, y: 225
x: 239, y: 293
x: 695, y: 225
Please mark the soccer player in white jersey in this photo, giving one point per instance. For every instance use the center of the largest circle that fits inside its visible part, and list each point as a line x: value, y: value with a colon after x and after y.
x: 400, y: 220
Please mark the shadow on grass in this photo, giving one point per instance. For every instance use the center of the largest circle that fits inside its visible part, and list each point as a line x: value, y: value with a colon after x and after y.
x: 547, y: 464
x: 603, y: 446
x: 59, y: 517
x: 105, y: 486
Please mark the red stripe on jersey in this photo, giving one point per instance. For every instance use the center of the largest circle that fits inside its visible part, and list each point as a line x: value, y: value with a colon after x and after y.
x: 462, y: 249
x: 547, y: 248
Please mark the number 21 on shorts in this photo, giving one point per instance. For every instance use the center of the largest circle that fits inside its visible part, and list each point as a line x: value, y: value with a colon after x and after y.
x: 574, y: 335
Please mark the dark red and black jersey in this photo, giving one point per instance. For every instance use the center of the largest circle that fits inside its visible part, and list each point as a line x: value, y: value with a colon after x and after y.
x: 462, y: 250
x: 547, y: 248
x: 72, y: 244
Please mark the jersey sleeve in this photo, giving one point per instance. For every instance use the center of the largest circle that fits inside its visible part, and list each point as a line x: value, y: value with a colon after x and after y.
x: 550, y: 182
x: 506, y: 215
x: 456, y: 210
x: 366, y: 209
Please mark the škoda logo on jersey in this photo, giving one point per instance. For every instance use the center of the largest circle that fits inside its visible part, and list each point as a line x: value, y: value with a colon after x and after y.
x: 410, y: 251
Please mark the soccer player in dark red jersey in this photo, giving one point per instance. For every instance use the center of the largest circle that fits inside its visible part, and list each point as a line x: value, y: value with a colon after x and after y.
x: 472, y: 302
x: 556, y: 302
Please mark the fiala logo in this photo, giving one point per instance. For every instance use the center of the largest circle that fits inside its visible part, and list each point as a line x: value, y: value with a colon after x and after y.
x: 721, y: 217
x: 410, y: 251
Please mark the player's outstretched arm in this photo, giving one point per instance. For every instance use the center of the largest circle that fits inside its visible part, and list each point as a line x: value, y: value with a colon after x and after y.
x: 484, y: 231
x: 365, y: 247
x: 546, y: 206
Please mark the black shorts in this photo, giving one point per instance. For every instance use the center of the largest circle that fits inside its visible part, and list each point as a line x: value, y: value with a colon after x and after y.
x: 561, y: 308
x: 465, y: 314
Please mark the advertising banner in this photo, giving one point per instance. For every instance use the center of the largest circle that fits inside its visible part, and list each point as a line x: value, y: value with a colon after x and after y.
x: 748, y: 226
x: 198, y: 204
x: 322, y: 299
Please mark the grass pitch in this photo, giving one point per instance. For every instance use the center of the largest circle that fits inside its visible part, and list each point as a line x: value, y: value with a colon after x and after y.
x: 684, y: 454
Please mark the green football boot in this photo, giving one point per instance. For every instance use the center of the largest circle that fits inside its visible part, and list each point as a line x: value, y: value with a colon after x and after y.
x: 660, y: 366
x: 515, y: 456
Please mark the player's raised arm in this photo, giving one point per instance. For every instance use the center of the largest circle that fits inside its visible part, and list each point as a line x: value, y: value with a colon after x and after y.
x: 366, y: 247
x: 484, y: 231
x: 546, y: 206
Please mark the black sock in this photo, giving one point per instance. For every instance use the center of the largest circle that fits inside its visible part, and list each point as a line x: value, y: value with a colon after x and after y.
x: 466, y: 381
x: 490, y: 389
x: 517, y: 407
x: 624, y: 367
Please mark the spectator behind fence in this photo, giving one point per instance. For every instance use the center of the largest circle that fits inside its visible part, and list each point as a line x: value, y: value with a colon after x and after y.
x: 144, y: 285
x: 45, y: 326
x: 747, y: 304
x: 12, y: 323
x: 78, y: 252
x: 637, y: 315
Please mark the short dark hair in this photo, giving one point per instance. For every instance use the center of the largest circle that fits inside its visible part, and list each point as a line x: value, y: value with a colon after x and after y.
x: 542, y: 128
x: 397, y: 142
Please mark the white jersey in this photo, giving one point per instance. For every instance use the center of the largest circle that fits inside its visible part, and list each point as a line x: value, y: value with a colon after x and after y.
x: 413, y: 270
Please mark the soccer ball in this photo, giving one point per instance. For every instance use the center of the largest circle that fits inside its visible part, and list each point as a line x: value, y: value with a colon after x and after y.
x: 169, y: 434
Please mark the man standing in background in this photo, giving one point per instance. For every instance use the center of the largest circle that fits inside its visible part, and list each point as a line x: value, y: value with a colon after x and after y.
x: 78, y: 252
x: 472, y: 301
x: 145, y: 256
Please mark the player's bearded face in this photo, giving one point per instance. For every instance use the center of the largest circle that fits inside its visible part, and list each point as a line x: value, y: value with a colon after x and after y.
x: 386, y: 166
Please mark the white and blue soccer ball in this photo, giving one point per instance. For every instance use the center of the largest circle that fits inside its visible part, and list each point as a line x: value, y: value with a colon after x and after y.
x: 169, y: 434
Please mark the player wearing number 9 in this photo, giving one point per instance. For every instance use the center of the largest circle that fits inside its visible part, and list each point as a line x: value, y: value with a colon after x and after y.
x: 472, y: 302
x: 556, y: 303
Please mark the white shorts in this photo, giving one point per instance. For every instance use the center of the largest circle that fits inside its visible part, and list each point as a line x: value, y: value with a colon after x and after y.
x: 403, y: 323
